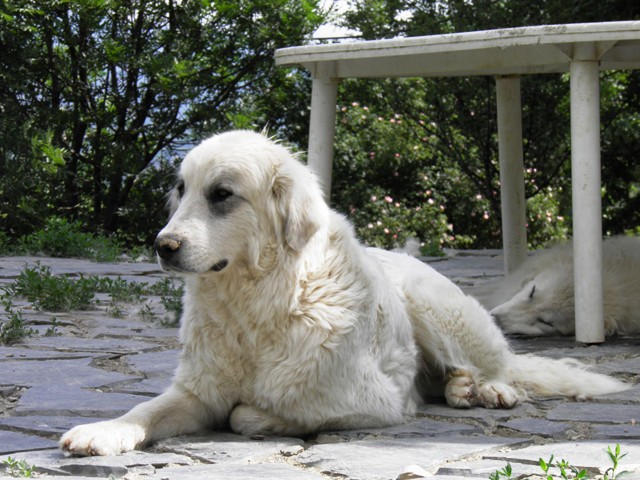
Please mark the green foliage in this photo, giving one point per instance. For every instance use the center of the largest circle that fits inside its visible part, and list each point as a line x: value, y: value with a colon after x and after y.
x: 52, y: 331
x: 566, y: 470
x: 457, y: 116
x: 54, y: 293
x: 61, y: 238
x: 504, y: 472
x: 99, y: 98
x: 12, y: 324
x: 18, y: 468
x: 615, y: 456
x: 57, y: 293
x: 171, y: 298
x: 394, y: 185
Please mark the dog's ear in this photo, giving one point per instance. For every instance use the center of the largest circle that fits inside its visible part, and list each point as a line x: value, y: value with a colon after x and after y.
x: 300, y: 205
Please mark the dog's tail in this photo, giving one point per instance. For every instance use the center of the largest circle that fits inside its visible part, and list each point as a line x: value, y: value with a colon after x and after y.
x: 567, y: 377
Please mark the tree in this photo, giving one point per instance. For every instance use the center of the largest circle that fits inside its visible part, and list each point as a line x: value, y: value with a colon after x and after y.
x: 106, y: 91
x: 459, y: 114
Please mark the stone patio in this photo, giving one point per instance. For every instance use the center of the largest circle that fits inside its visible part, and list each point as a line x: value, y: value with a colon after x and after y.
x: 98, y: 366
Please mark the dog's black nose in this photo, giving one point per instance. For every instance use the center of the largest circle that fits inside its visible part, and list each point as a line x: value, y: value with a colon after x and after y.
x: 167, y: 245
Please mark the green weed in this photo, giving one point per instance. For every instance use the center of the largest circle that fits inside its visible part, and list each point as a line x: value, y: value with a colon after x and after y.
x: 566, y: 470
x: 52, y: 331
x: 13, y: 328
x: 121, y: 290
x: 54, y: 293
x: 18, y: 468
x: 505, y: 472
x: 615, y: 456
x: 171, y: 299
x: 57, y: 293
x: 146, y: 312
x: 116, y: 310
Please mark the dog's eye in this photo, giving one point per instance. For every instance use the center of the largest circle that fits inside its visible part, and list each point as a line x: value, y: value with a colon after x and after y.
x: 533, y: 290
x: 180, y: 189
x: 219, y: 195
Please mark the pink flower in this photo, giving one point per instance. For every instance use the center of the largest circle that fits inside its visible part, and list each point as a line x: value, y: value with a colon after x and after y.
x: 388, y: 199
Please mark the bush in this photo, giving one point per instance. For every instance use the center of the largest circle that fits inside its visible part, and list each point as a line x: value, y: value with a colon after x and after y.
x: 61, y: 238
x: 393, y: 186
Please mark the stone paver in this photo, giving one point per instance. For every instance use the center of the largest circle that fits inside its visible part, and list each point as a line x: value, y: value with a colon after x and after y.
x: 100, y: 365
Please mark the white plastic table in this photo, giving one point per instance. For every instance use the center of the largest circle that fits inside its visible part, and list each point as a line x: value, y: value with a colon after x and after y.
x: 581, y: 49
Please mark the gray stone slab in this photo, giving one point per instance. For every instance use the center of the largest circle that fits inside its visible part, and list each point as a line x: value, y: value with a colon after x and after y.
x: 10, y: 354
x: 148, y: 387
x: 13, y: 442
x: 482, y: 469
x: 74, y: 372
x: 55, y: 461
x: 628, y: 365
x: 155, y: 364
x: 616, y: 432
x: 12, y: 266
x: 229, y: 447
x: 420, y: 427
x: 226, y: 471
x: 595, y: 413
x: 537, y: 426
x: 47, y: 425
x: 442, y: 410
x: 110, y: 328
x: 385, y: 458
x: 77, y: 344
x: 66, y: 400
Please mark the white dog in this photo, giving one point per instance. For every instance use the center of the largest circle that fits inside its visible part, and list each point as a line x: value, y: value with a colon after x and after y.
x: 538, y: 298
x: 290, y: 326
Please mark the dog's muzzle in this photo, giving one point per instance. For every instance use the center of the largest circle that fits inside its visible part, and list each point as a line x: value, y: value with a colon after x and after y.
x: 168, y: 248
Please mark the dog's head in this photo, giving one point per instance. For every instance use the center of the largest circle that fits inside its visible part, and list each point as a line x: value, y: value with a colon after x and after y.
x: 238, y: 193
x: 544, y: 306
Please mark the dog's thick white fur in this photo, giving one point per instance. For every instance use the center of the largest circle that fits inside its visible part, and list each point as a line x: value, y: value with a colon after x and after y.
x: 538, y: 298
x: 290, y: 326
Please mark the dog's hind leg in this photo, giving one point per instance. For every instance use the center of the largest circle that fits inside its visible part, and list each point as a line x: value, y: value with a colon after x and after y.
x: 458, y: 338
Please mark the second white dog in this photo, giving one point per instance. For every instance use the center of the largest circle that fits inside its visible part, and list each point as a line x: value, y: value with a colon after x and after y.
x: 538, y: 298
x: 290, y: 326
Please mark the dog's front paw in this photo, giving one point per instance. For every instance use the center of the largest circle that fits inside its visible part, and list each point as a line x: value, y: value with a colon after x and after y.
x: 461, y: 391
x: 103, y: 438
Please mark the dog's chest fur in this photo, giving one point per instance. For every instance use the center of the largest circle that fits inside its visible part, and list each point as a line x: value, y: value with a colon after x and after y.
x: 263, y: 343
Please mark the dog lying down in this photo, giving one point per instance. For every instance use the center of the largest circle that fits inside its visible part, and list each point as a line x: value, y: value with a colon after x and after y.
x: 538, y: 298
x: 290, y: 326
